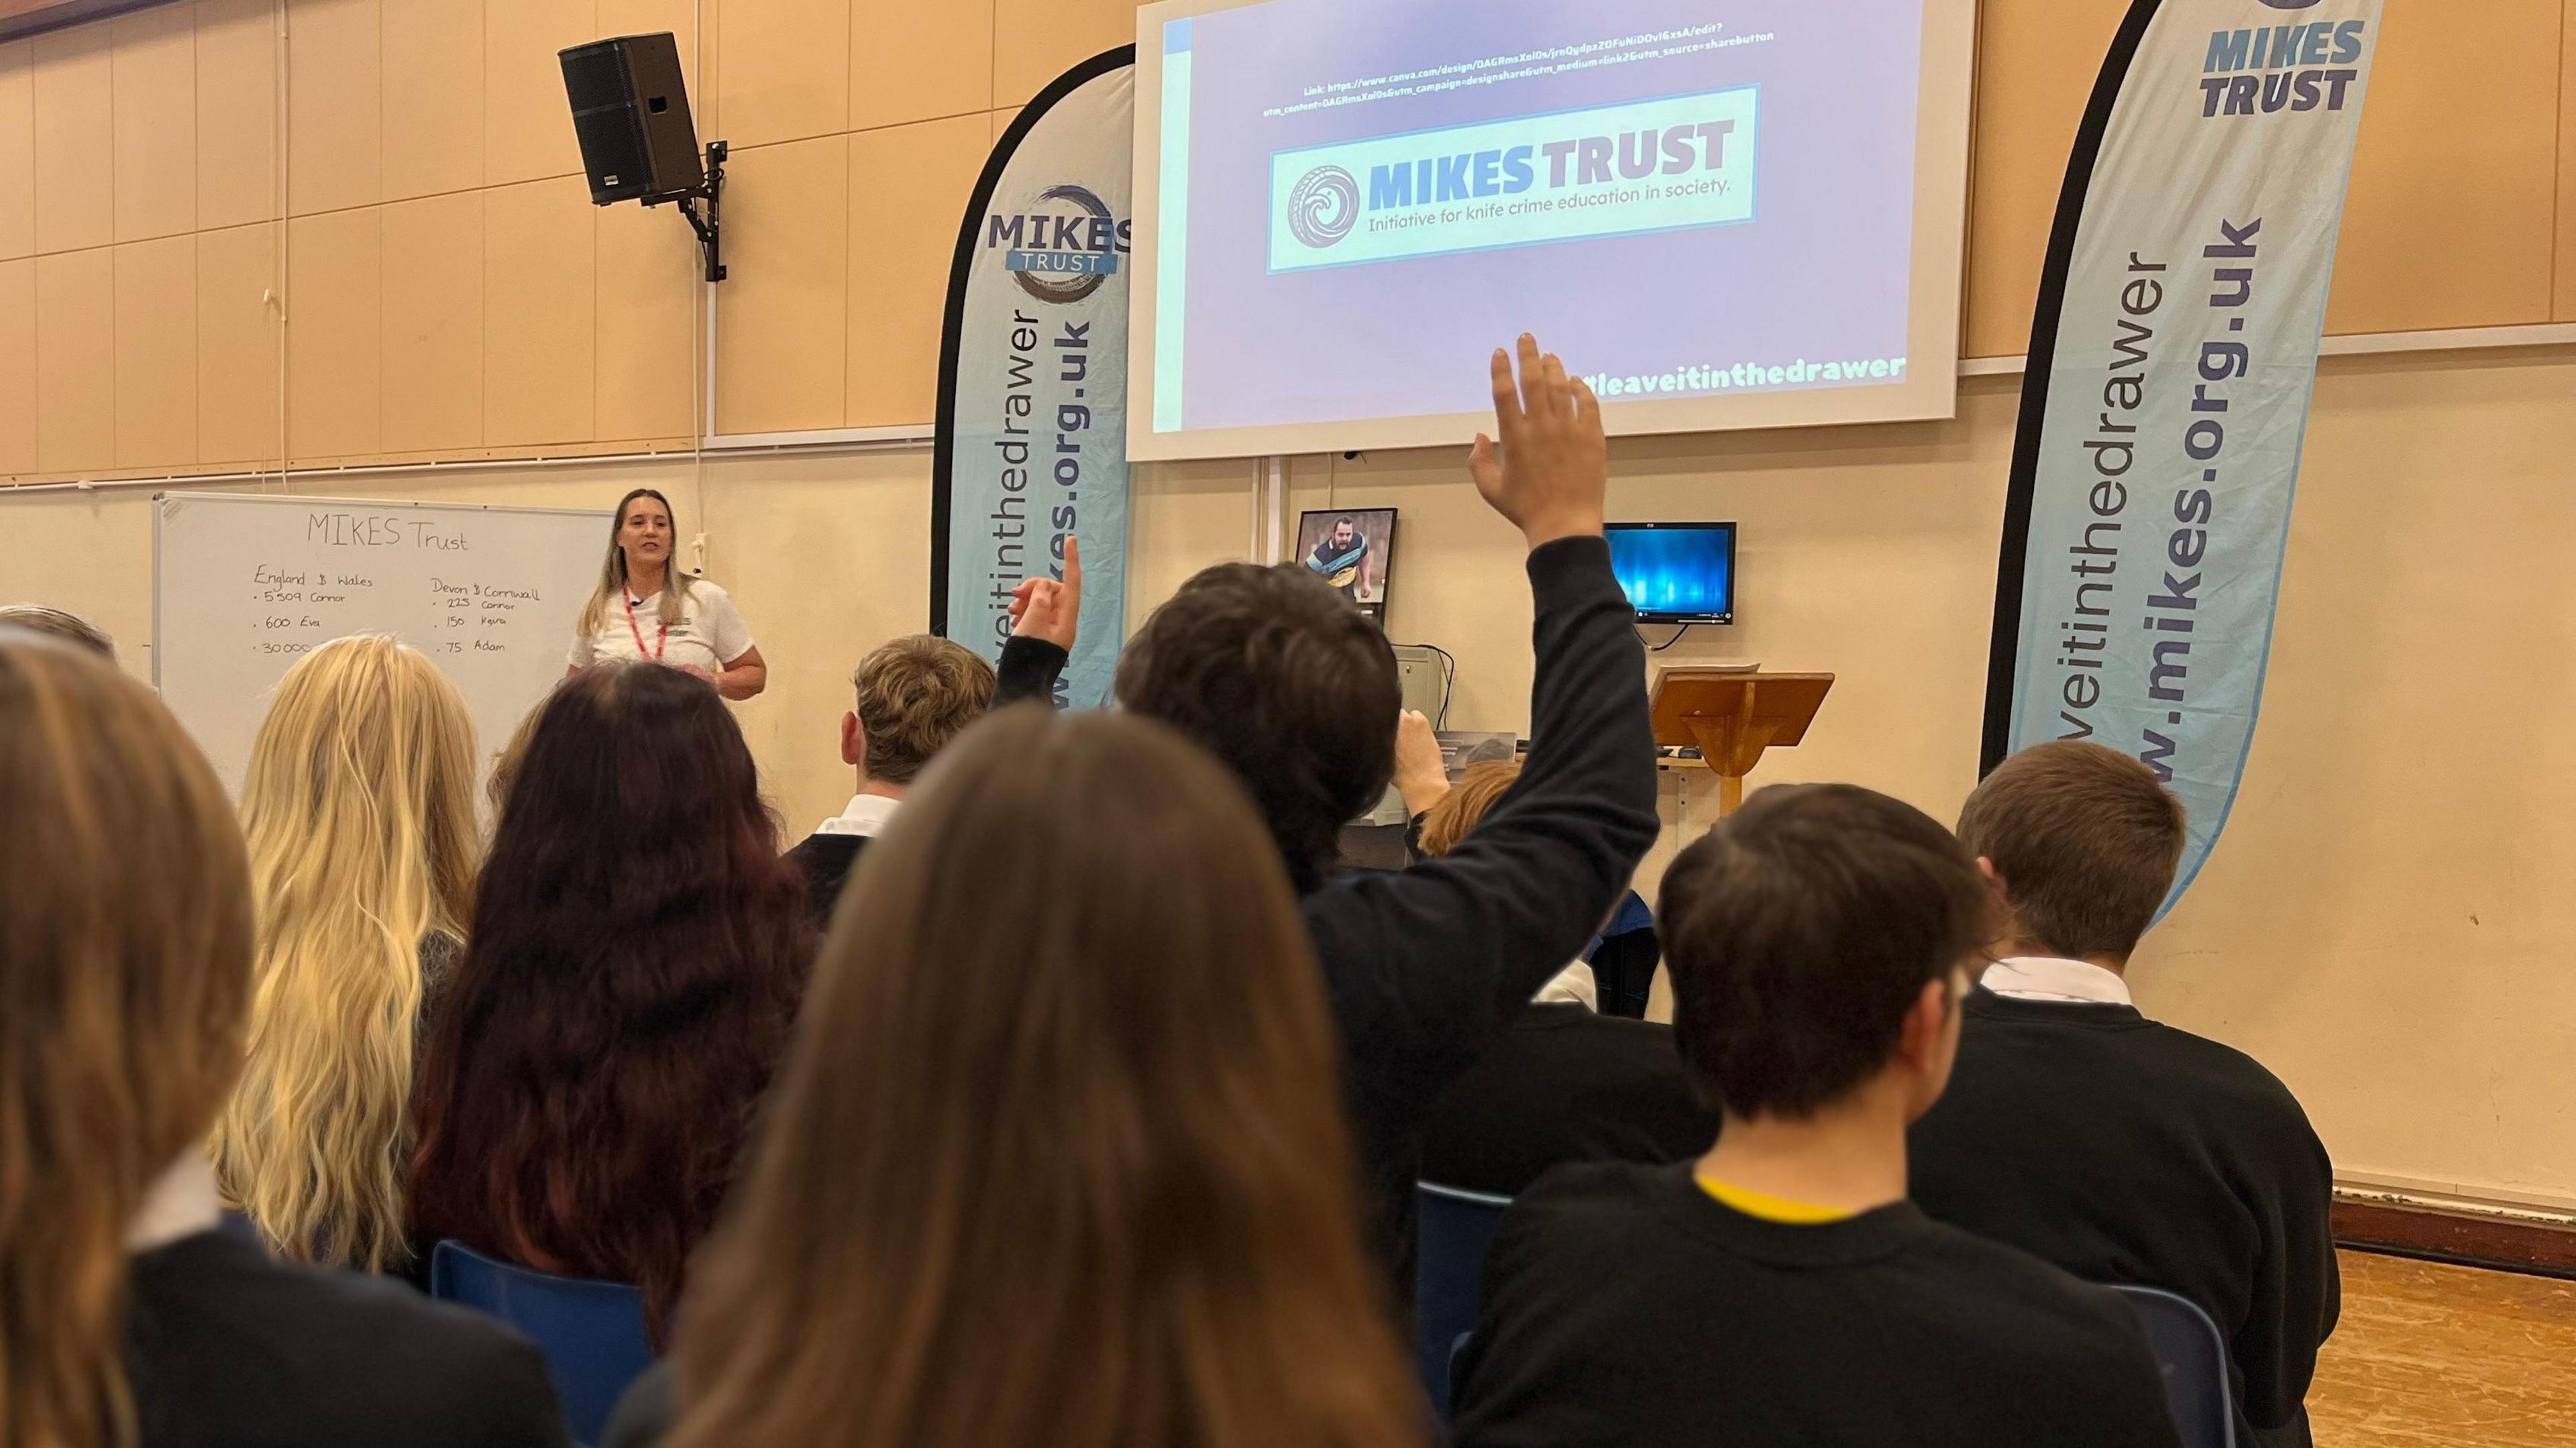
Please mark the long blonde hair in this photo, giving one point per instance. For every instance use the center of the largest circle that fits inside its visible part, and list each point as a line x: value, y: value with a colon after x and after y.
x: 359, y: 809
x: 125, y: 943
x: 1085, y: 1183
x: 612, y: 572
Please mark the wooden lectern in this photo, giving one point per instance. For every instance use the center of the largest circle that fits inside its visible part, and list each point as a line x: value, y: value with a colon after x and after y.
x: 1733, y: 715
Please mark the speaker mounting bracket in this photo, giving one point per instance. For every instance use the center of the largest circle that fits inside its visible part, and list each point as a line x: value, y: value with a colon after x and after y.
x: 709, y: 224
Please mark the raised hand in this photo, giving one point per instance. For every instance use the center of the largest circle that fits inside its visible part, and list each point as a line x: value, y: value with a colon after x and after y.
x: 1421, y: 775
x: 1550, y: 472
x: 1042, y: 608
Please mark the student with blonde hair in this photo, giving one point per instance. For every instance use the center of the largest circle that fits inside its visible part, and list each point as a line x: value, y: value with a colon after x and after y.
x: 359, y: 810
x: 911, y: 697
x: 1083, y: 1185
x: 128, y: 1316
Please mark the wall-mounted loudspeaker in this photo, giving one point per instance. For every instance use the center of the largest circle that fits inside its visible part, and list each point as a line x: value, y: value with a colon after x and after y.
x: 630, y: 110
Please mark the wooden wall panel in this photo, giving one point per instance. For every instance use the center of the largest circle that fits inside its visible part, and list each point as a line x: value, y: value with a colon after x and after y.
x: 527, y: 124
x: 236, y: 112
x: 2036, y: 60
x: 1034, y: 41
x: 540, y: 285
x: 782, y: 70
x: 649, y: 292
x: 76, y: 361
x: 432, y: 382
x: 680, y: 17
x: 154, y: 71
x: 782, y: 334
x: 334, y: 335
x: 237, y: 345
x: 2453, y: 214
x: 17, y: 366
x: 334, y: 105
x: 916, y: 62
x: 18, y: 148
x: 899, y: 275
x: 156, y: 353
x: 2564, y: 289
x: 433, y: 99
x: 75, y: 195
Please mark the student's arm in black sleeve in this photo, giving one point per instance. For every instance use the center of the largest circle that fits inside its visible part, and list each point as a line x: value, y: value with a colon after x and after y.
x: 1045, y: 613
x: 1029, y: 669
x: 2298, y: 1288
x: 1427, y: 965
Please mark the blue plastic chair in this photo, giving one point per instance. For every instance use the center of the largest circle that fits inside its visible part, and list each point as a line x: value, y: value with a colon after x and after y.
x: 1449, y: 1258
x: 592, y: 1333
x: 2193, y: 1355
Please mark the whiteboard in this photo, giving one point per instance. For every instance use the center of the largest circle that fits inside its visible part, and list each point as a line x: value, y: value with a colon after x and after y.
x: 243, y: 586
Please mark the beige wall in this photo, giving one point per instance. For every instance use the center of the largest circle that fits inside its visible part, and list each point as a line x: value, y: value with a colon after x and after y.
x: 2387, y: 921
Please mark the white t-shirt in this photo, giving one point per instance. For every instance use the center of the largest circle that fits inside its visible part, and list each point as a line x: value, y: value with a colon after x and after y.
x: 711, y: 634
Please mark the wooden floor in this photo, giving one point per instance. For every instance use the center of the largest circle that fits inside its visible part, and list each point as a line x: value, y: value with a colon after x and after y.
x: 2429, y: 1356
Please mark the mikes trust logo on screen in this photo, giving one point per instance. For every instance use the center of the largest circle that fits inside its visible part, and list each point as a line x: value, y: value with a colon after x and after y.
x: 1323, y: 206
x: 1063, y: 248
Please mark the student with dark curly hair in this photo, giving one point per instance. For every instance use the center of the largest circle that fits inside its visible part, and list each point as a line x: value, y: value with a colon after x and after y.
x: 636, y: 955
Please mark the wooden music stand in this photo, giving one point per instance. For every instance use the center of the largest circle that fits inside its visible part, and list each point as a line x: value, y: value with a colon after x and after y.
x: 1733, y: 715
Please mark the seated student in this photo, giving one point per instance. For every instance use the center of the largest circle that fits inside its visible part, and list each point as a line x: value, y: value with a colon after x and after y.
x: 914, y: 695
x: 1782, y: 1289
x: 1279, y: 677
x: 637, y: 950
x: 359, y: 811
x: 1565, y: 1083
x: 1084, y: 1183
x: 125, y: 990
x: 2120, y: 1149
x: 54, y: 623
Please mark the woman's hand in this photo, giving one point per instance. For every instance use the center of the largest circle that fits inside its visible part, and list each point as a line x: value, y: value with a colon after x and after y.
x: 1421, y: 775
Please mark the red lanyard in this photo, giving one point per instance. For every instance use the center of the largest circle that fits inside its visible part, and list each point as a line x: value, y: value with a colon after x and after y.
x: 661, y: 632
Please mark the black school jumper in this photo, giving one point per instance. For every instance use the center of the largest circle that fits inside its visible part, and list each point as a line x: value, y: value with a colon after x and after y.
x: 1565, y: 1084
x: 227, y: 1349
x: 1424, y: 969
x: 826, y: 862
x: 1624, y: 1308
x: 2127, y: 1151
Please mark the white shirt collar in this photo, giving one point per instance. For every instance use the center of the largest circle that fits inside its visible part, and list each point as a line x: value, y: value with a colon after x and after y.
x: 2054, y: 978
x: 1575, y: 984
x: 183, y: 1203
x: 867, y: 815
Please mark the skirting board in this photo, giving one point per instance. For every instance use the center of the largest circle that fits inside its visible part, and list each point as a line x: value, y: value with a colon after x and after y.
x: 2460, y: 1230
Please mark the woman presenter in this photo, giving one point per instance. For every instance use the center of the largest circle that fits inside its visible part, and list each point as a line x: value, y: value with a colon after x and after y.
x: 646, y: 609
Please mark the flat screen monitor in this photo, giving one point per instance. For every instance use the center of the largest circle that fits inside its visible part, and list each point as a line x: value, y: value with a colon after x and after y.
x: 1722, y: 213
x: 1676, y: 572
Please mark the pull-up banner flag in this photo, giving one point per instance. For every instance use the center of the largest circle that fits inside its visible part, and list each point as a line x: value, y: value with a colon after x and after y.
x: 2171, y: 367
x: 1032, y: 445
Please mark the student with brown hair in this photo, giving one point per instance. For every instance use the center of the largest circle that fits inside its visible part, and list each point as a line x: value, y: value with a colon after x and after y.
x: 71, y: 628
x: 1280, y: 678
x: 1565, y: 1083
x: 2121, y: 1149
x: 128, y: 1314
x: 912, y: 696
x: 1782, y: 1289
x: 1084, y: 1185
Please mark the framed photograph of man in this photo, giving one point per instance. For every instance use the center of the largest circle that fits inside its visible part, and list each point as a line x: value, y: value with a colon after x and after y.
x: 1353, y: 549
